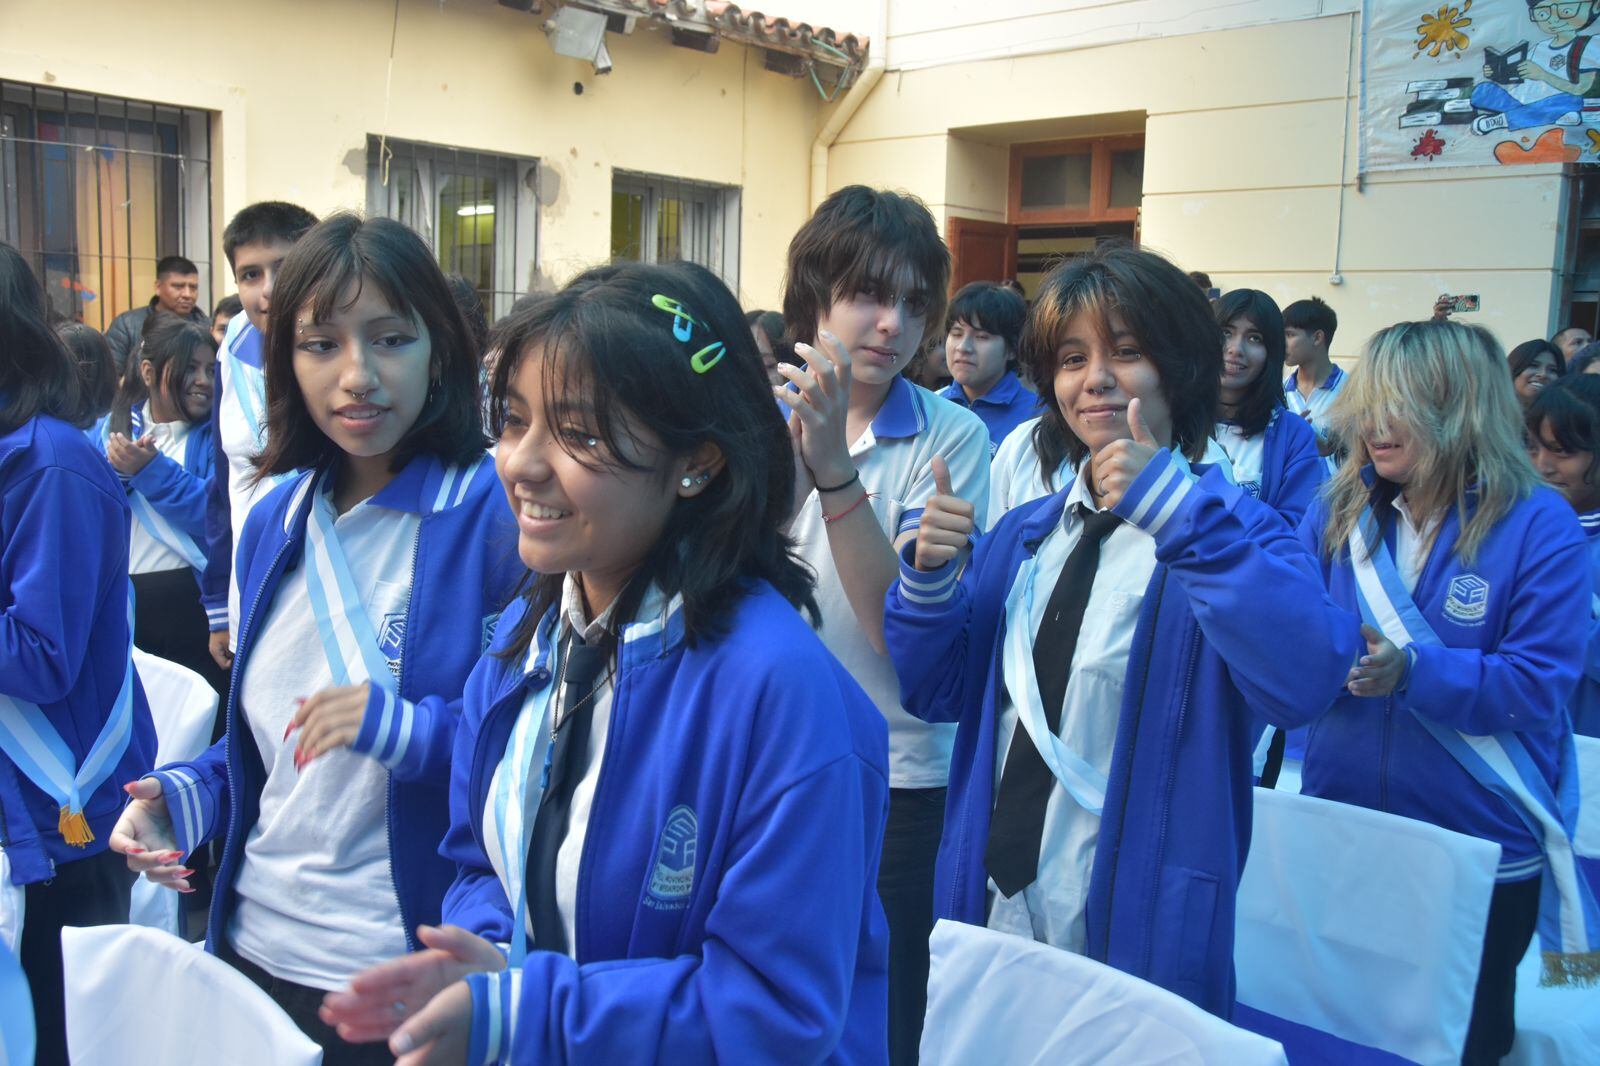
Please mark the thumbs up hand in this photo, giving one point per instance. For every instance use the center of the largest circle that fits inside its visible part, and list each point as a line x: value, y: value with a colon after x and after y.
x: 947, y: 522
x: 1117, y: 465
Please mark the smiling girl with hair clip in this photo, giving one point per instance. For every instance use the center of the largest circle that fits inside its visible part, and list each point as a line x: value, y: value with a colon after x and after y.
x: 1473, y: 582
x: 667, y: 797
x: 370, y: 582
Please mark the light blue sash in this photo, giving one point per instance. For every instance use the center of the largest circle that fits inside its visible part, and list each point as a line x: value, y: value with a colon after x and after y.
x: 517, y: 792
x: 35, y: 748
x: 1085, y: 784
x: 349, y: 641
x: 1569, y: 923
x: 248, y: 386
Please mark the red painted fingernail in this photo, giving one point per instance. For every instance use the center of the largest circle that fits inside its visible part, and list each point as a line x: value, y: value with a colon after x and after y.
x: 288, y: 729
x: 134, y: 851
x: 128, y: 788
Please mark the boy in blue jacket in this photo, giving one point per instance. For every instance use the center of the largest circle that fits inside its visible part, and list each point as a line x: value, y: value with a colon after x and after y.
x: 74, y: 723
x: 1107, y: 648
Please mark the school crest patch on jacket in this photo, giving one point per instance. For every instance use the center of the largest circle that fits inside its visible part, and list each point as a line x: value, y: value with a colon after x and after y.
x: 1466, y: 600
x: 672, y: 877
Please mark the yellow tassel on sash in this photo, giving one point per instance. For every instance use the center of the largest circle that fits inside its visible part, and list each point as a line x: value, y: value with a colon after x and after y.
x: 74, y: 828
x: 1577, y: 970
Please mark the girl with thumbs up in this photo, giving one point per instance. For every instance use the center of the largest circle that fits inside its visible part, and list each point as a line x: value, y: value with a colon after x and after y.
x: 1103, y: 652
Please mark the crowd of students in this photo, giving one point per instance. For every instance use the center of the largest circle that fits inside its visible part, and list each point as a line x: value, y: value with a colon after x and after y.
x: 641, y: 680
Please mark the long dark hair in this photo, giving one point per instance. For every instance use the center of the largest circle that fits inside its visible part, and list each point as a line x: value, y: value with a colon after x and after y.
x: 97, y: 368
x: 37, y: 374
x: 1522, y: 356
x: 605, y: 347
x: 342, y: 253
x: 1161, y: 307
x: 1265, y: 394
x: 169, y: 345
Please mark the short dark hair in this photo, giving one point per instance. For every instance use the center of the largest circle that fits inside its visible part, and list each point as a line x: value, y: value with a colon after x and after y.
x: 175, y: 264
x: 1594, y: 13
x: 1162, y: 307
x: 607, y: 349
x: 1572, y: 408
x: 1312, y: 315
x: 993, y: 308
x: 1522, y: 356
x: 1556, y: 338
x: 265, y: 223
x: 97, y: 367
x: 1201, y: 279
x: 339, y: 254
x: 1265, y: 395
x: 229, y: 305
x: 37, y: 375
x: 169, y: 343
x: 863, y: 240
x: 470, y: 301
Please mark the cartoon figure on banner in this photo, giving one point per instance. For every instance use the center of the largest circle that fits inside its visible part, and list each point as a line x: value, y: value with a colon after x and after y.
x: 1551, y: 82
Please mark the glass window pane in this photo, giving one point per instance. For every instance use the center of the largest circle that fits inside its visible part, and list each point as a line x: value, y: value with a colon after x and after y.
x: 627, y: 225
x: 670, y: 221
x: 1055, y: 181
x: 1127, y: 177
x: 466, y: 228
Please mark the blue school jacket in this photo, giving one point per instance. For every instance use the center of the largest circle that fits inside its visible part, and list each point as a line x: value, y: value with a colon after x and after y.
x: 177, y: 490
x: 1586, y: 697
x: 63, y: 628
x: 776, y: 761
x: 1207, y: 656
x: 465, y: 568
x: 1291, y: 469
x: 1512, y: 626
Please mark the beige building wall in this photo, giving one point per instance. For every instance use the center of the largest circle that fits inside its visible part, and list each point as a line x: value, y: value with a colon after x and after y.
x: 297, y: 85
x: 1251, y: 168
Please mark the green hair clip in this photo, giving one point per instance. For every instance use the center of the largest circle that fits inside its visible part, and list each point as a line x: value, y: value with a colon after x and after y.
x: 683, y: 325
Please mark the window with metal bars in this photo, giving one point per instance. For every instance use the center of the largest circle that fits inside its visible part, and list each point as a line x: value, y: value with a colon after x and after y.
x: 657, y: 219
x: 97, y: 189
x: 477, y: 211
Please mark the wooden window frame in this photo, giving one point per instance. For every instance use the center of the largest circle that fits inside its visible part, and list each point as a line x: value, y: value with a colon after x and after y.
x: 1099, y: 150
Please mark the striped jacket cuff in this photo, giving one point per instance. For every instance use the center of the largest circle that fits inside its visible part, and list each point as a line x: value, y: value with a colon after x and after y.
x: 387, y: 727
x: 217, y: 618
x: 1159, y: 498
x: 927, y: 587
x: 494, y: 1016
x: 186, y: 802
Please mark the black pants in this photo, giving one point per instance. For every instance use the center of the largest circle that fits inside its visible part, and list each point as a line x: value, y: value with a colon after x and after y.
x: 300, y: 1004
x: 905, y: 885
x: 89, y: 891
x: 169, y: 622
x: 1513, y: 914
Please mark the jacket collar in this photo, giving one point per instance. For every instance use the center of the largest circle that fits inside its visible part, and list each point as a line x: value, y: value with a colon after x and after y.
x: 426, y: 485
x: 1328, y: 385
x: 1006, y: 392
x: 902, y: 413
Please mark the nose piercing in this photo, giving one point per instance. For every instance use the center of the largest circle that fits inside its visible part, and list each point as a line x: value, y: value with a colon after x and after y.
x: 362, y: 395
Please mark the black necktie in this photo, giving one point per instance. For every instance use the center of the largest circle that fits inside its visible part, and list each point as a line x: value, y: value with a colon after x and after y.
x: 580, y: 676
x: 1017, y: 827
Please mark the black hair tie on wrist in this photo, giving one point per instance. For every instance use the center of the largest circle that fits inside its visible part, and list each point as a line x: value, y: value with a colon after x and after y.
x: 855, y: 477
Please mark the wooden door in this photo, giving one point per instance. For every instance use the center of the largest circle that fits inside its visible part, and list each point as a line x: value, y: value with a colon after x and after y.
x: 981, y: 251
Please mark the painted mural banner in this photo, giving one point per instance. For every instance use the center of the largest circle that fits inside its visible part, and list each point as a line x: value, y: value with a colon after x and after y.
x: 1479, y: 82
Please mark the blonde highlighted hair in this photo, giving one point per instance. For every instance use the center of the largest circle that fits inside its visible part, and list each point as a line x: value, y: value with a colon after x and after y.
x: 1446, y: 385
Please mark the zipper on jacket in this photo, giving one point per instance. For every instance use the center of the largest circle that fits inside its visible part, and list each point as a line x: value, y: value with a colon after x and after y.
x: 388, y: 802
x: 214, y: 929
x: 1133, y: 743
x: 1383, y: 754
x: 997, y: 672
x: 1166, y: 801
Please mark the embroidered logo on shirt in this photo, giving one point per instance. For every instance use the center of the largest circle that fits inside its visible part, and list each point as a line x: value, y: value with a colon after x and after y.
x: 1467, y: 599
x: 392, y: 640
x: 489, y: 622
x: 672, y: 879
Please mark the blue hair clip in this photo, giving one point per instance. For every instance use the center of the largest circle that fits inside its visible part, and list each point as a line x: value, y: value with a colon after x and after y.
x: 683, y: 324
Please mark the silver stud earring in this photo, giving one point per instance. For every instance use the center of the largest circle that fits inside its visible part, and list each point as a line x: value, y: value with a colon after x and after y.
x: 687, y: 481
